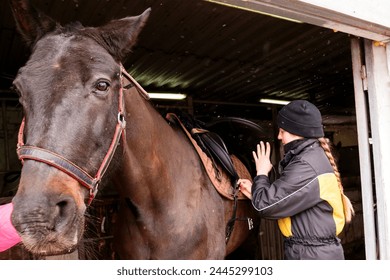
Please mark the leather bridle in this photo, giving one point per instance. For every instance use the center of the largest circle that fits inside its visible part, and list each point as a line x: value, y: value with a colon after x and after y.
x: 28, y: 152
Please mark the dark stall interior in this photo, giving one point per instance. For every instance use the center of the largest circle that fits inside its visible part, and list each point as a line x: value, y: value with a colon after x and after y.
x: 225, y: 60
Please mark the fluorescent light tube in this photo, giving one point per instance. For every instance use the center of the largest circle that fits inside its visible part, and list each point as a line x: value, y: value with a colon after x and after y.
x: 167, y: 95
x: 274, y: 101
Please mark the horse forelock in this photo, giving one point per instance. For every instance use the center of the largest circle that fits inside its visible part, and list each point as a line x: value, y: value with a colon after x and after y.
x: 102, y: 38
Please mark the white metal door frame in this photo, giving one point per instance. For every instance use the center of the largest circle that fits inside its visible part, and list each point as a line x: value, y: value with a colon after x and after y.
x: 362, y: 119
x: 369, y: 20
x: 378, y: 82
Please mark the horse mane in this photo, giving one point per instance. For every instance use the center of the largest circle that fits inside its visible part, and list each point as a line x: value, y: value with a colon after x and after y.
x: 73, y: 27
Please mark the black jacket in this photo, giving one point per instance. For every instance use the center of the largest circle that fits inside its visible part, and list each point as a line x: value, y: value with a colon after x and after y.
x: 307, y: 202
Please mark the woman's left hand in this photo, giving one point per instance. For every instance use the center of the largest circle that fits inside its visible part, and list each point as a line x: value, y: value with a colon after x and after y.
x: 262, y: 158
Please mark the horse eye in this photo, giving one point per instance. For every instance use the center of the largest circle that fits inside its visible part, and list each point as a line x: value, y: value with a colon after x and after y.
x: 102, y: 86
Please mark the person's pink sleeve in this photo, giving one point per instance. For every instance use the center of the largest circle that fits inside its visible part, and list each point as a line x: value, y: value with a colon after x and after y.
x: 8, y: 234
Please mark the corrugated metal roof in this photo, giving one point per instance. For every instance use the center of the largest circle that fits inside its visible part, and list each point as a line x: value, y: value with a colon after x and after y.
x: 218, y: 55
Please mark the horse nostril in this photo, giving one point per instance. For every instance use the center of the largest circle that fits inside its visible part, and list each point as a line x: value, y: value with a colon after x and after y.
x: 61, y: 208
x: 62, y: 214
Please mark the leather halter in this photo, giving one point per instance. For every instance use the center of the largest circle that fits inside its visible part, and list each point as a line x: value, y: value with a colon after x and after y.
x: 28, y: 152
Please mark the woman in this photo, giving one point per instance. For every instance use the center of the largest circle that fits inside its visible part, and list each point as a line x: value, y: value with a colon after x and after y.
x: 8, y: 234
x: 308, y: 198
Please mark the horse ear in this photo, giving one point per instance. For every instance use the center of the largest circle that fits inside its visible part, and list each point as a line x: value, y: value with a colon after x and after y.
x: 119, y: 36
x: 31, y: 23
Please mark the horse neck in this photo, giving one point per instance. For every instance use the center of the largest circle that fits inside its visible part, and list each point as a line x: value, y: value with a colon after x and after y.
x: 153, y: 154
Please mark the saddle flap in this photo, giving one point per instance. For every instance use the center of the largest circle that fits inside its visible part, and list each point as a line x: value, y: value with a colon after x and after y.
x: 217, y: 148
x: 241, y: 137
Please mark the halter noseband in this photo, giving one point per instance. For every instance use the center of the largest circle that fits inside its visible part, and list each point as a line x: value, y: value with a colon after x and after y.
x: 27, y: 152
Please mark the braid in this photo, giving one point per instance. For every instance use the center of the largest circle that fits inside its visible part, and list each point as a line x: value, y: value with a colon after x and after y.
x: 348, y: 208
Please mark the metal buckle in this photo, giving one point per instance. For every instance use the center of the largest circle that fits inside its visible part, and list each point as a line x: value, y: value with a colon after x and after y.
x: 121, y: 120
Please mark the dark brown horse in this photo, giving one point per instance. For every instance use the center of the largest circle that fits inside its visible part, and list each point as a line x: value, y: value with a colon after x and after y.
x: 81, y: 119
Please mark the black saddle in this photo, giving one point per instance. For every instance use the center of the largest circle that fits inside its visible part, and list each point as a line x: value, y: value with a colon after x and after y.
x: 240, y: 137
x: 222, y: 137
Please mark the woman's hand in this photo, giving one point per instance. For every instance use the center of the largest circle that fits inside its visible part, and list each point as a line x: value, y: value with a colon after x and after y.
x: 245, y: 187
x: 262, y: 158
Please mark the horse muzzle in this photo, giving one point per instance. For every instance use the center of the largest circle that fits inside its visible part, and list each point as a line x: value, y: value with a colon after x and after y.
x: 48, y: 210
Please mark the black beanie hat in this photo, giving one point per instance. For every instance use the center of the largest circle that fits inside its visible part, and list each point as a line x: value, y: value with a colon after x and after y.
x: 302, y: 118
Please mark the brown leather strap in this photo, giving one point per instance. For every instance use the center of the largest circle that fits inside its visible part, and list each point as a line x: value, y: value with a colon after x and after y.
x: 61, y: 163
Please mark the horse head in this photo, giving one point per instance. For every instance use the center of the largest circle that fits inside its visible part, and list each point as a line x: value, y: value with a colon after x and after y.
x: 70, y: 92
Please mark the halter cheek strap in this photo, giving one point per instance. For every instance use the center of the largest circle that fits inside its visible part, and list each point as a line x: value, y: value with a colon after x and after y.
x: 27, y: 152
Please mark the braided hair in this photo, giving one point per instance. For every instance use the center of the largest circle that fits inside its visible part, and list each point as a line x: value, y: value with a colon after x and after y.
x: 348, y: 208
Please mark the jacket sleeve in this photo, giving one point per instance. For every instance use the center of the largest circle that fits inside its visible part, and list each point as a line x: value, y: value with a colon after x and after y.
x: 296, y: 190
